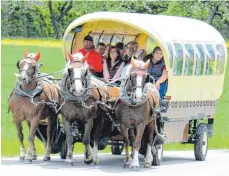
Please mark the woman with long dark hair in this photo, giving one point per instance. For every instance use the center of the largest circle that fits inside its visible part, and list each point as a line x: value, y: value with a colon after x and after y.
x: 113, y: 65
x: 158, y: 70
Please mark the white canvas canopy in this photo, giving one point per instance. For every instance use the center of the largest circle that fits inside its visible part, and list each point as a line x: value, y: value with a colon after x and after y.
x: 163, y: 30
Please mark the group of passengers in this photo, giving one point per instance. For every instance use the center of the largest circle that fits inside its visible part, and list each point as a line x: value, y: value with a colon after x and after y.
x: 109, y: 62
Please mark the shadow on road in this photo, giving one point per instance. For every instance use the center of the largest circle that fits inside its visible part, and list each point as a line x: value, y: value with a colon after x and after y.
x: 108, y: 163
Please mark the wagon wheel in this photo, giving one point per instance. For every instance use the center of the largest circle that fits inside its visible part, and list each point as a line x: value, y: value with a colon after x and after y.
x: 201, y: 145
x: 64, y: 150
x: 157, y: 157
x: 117, y: 147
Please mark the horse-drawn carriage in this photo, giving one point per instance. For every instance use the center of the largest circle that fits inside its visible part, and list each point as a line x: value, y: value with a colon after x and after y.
x: 195, y: 57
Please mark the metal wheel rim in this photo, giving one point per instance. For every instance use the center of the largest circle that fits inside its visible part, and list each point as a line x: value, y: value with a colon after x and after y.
x: 159, y: 152
x: 204, y: 143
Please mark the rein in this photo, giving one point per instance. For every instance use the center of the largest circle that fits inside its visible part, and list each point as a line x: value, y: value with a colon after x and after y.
x: 53, y: 73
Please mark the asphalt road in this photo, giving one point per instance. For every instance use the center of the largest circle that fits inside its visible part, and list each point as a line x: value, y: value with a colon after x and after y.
x: 174, y: 163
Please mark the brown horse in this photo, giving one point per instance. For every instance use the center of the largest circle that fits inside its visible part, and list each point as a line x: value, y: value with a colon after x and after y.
x: 138, y: 114
x: 78, y: 103
x: 30, y: 101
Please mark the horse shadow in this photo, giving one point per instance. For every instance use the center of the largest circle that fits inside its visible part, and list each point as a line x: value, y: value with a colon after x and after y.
x: 108, y: 163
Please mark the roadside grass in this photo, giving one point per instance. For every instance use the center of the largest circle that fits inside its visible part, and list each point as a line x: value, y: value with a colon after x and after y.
x: 53, y: 60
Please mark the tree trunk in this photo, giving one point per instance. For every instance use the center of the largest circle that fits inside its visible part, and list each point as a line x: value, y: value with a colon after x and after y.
x: 56, y: 19
x: 57, y: 29
x: 212, y: 13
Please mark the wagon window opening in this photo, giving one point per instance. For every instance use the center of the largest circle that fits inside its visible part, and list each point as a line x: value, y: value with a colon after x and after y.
x: 178, y: 59
x: 96, y: 39
x: 199, y: 66
x: 150, y: 45
x: 220, y: 59
x: 116, y: 39
x: 170, y: 49
x: 128, y: 38
x: 105, y: 38
x: 210, y: 60
x: 189, y: 59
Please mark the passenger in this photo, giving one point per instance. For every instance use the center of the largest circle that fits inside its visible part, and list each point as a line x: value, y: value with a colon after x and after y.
x: 94, y: 59
x: 121, y: 48
x: 130, y: 52
x: 157, y: 70
x: 101, y: 48
x: 141, y: 54
x: 105, y: 55
x: 113, y: 65
x: 136, y: 47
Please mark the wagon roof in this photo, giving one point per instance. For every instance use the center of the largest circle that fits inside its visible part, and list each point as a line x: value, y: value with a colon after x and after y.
x: 163, y: 28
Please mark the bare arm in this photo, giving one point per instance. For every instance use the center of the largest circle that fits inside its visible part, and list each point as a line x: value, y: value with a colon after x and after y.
x: 106, y: 74
x: 163, y: 77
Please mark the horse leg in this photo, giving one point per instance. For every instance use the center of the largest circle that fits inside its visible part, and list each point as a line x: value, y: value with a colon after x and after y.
x: 34, y: 156
x: 149, y: 157
x: 34, y: 124
x: 69, y: 138
x: 51, y: 122
x: 98, y: 134
x: 132, y: 138
x: 88, y: 159
x: 21, y: 138
x: 124, y: 131
x: 137, y: 145
x: 95, y: 151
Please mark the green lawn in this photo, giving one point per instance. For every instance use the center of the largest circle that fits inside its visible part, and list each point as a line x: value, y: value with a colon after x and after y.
x: 53, y: 60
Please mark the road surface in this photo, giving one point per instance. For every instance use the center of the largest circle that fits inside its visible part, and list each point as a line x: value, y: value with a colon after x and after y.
x: 174, y: 163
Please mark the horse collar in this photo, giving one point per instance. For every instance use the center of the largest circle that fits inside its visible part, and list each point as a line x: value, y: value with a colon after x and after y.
x: 29, y: 93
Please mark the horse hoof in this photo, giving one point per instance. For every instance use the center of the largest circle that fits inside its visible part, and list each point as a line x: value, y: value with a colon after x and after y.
x: 22, y: 158
x: 88, y: 162
x: 46, y: 158
x: 34, y: 157
x: 96, y: 161
x: 28, y: 161
x: 69, y: 162
x: 126, y: 165
x: 132, y: 167
x: 147, y: 165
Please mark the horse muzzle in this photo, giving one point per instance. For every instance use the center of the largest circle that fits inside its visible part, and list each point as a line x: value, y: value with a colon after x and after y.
x: 77, y: 92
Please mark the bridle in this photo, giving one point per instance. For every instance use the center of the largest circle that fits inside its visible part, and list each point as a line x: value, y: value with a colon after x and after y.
x: 130, y: 78
x: 31, y: 75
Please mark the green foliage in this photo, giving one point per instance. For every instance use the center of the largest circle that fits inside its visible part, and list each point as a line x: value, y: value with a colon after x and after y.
x: 32, y: 18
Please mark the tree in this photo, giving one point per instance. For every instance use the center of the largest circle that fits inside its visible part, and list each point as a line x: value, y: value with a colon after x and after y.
x: 58, y: 14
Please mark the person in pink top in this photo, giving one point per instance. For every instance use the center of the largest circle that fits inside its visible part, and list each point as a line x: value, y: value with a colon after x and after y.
x: 113, y: 65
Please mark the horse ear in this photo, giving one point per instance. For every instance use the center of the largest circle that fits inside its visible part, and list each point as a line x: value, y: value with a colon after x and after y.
x: 85, y: 57
x: 133, y: 62
x: 146, y: 65
x: 70, y: 57
x: 26, y: 53
x: 37, y: 57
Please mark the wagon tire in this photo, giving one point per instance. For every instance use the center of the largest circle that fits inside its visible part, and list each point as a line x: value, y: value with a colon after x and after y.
x: 116, y: 149
x: 64, y: 150
x: 201, y: 145
x: 157, y: 157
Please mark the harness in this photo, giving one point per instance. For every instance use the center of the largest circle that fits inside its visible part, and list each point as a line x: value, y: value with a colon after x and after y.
x: 34, y: 94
